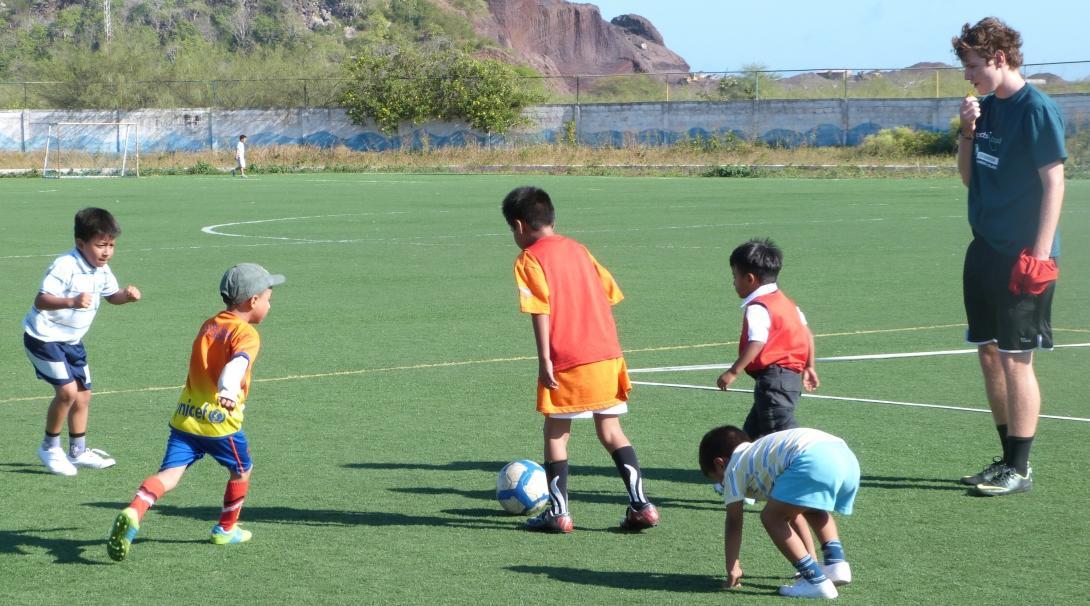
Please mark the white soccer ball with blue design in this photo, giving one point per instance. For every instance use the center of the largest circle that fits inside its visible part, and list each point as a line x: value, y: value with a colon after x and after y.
x: 521, y: 488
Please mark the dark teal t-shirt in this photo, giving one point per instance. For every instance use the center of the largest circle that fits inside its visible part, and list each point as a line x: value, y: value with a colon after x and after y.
x: 1014, y: 138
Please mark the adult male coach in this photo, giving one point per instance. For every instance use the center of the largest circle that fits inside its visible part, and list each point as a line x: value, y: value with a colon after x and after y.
x: 1011, y: 157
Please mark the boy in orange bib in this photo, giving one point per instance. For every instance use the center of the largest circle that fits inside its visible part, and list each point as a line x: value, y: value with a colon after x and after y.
x: 581, y: 370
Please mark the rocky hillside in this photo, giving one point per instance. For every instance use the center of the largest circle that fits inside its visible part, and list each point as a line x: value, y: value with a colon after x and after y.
x: 554, y: 37
x: 565, y: 38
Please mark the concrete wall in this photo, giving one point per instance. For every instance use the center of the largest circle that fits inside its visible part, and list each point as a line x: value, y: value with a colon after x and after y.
x: 788, y: 122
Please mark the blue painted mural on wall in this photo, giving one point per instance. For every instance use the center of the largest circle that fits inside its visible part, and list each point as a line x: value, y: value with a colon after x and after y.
x: 788, y: 123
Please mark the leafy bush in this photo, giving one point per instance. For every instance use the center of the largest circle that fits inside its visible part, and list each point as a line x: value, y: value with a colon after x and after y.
x: 203, y: 168
x: 903, y: 141
x: 734, y: 170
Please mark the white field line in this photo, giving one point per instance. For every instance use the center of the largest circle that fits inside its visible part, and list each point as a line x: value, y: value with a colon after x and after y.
x: 461, y: 363
x: 417, y: 240
x: 888, y: 356
x: 361, y: 371
x: 846, y: 399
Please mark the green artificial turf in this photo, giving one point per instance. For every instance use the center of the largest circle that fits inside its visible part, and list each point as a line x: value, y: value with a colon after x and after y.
x: 396, y: 378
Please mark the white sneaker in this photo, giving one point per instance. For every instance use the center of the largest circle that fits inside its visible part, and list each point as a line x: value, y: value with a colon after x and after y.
x: 56, y: 461
x: 838, y: 572
x: 93, y: 458
x: 805, y: 589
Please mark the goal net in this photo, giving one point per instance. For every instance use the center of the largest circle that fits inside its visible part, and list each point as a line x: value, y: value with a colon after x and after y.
x: 92, y: 149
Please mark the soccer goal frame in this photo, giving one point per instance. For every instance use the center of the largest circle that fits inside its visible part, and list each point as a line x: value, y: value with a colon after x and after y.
x: 119, y: 158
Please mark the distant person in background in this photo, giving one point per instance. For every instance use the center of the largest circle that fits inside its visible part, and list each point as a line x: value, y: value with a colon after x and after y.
x: 240, y: 157
x: 1011, y: 157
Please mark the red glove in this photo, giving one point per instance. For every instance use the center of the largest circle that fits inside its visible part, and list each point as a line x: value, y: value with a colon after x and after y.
x: 1031, y: 275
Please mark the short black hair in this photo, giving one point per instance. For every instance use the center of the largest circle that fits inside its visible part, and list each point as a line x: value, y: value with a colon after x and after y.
x: 531, y: 205
x: 241, y: 137
x: 719, y: 443
x: 91, y: 222
x: 760, y: 257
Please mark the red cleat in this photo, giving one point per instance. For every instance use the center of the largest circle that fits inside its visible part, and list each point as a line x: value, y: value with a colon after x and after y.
x: 639, y: 517
x: 547, y: 521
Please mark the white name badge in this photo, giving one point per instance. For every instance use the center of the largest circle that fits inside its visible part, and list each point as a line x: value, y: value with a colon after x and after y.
x: 987, y: 160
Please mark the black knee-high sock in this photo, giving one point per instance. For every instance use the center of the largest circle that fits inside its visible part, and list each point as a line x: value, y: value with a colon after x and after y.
x: 556, y: 474
x: 1019, y: 453
x: 1002, y: 429
x: 629, y: 468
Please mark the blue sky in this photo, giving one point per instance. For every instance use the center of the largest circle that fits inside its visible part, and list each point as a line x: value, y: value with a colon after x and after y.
x: 721, y: 35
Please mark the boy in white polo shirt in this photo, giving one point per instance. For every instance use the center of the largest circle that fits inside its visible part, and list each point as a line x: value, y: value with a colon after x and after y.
x: 53, y: 331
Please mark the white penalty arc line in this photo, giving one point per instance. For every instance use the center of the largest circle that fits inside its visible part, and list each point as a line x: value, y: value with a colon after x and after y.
x: 845, y: 399
x: 887, y: 356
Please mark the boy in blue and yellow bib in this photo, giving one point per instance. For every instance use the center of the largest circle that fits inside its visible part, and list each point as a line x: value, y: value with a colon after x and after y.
x: 208, y: 418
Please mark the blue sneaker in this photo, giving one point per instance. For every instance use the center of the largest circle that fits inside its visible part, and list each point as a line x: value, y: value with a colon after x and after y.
x: 230, y: 537
x: 123, y: 534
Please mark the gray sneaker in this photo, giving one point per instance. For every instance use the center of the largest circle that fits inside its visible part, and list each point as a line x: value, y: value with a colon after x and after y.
x: 985, y: 475
x: 1007, y: 481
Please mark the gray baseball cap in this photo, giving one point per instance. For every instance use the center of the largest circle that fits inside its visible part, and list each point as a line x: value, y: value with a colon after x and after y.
x: 246, y: 280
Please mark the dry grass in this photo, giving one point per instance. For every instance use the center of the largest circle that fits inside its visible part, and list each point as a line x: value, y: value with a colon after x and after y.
x: 692, y: 158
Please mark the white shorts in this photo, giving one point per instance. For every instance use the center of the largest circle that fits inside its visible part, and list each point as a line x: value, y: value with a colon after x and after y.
x: 617, y: 409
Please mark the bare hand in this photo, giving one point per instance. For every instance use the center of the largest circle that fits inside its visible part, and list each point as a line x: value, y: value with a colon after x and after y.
x: 227, y: 403
x: 810, y: 379
x: 82, y: 300
x: 734, y: 577
x: 969, y: 112
x: 545, y: 375
x: 726, y: 379
x: 132, y: 292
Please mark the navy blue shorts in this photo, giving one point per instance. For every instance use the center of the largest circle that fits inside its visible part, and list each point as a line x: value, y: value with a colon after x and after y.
x: 58, y: 363
x: 185, y: 449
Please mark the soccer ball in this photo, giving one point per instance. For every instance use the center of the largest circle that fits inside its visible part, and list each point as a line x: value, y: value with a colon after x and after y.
x: 521, y: 488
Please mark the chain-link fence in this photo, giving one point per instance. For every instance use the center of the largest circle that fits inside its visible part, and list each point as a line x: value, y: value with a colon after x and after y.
x: 752, y: 85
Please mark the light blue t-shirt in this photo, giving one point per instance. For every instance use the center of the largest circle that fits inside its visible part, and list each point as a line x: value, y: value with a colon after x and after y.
x: 1014, y: 138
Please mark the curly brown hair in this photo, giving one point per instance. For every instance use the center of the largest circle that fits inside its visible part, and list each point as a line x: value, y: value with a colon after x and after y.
x: 987, y: 37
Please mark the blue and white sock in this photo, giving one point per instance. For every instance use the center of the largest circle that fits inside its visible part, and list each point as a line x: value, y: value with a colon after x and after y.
x: 51, y: 441
x: 809, y: 569
x: 832, y: 552
x: 77, y: 443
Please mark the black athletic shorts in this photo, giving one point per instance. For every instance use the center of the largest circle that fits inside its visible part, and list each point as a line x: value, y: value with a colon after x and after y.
x: 1015, y: 323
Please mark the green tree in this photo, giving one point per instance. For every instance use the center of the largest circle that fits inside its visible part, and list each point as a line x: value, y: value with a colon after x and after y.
x: 401, y: 82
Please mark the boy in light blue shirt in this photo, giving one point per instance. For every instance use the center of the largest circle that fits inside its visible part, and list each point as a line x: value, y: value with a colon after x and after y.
x: 798, y: 472
x: 53, y: 331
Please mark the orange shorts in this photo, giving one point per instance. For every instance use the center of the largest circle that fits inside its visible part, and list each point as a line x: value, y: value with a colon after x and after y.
x: 591, y: 386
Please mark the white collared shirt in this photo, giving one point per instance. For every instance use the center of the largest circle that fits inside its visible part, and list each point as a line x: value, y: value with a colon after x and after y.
x: 757, y: 318
x: 68, y: 276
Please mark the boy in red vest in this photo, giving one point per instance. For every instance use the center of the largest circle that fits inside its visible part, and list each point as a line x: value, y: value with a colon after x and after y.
x: 776, y: 348
x: 581, y: 371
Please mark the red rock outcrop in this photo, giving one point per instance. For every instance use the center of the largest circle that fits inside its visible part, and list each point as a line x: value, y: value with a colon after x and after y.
x: 564, y: 38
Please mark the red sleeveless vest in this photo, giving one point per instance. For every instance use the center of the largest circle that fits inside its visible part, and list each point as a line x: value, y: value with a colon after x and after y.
x: 788, y: 344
